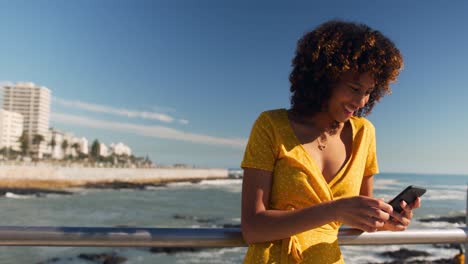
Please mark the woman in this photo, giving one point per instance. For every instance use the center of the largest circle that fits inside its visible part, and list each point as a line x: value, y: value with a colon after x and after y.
x: 309, y: 169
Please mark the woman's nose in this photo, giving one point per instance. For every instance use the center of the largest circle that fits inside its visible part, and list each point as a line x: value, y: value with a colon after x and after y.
x: 361, y: 100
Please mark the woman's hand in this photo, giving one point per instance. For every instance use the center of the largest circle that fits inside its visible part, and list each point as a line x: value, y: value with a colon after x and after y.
x: 363, y: 212
x: 401, y: 221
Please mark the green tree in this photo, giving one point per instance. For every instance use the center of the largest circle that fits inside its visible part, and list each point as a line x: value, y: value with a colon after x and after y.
x: 24, y: 143
x: 95, y: 149
x: 36, y: 141
x: 53, y: 143
x: 64, y: 147
x: 76, y: 147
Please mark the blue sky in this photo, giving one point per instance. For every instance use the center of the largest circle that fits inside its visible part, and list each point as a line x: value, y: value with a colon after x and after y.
x: 183, y: 81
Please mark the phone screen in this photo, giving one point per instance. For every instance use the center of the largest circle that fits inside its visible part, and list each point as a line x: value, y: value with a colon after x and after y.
x: 408, y: 195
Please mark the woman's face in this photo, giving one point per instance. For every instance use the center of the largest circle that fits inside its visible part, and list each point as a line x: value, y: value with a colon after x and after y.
x: 350, y: 93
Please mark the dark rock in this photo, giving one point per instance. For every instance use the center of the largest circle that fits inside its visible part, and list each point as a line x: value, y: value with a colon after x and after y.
x: 104, y: 258
x: 195, y: 181
x: 459, y: 219
x: 437, y: 261
x: 117, y: 185
x: 404, y: 253
x: 447, y: 246
x: 197, y: 219
x: 173, y: 250
x: 402, y: 257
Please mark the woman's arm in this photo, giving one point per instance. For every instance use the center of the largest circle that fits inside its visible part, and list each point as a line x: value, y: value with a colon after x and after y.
x: 260, y: 223
x: 367, y: 186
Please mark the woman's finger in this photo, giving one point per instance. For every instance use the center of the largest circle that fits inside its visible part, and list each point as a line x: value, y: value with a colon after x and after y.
x: 416, y: 203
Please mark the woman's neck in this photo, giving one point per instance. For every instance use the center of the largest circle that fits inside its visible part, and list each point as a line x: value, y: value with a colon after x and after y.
x: 320, y: 121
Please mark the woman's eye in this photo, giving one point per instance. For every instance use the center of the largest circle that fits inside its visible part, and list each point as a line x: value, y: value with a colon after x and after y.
x: 368, y: 92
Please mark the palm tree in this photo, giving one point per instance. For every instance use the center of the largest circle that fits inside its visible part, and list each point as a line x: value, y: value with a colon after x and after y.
x: 52, y: 144
x: 24, y: 143
x: 37, y: 139
x: 64, y: 147
x: 76, y: 147
x: 95, y: 149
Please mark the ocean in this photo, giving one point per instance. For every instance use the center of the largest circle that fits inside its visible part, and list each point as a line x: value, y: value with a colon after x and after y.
x: 205, y: 204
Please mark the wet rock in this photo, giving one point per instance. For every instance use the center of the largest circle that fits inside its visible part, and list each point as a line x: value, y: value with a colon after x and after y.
x: 447, y: 246
x: 438, y: 261
x: 197, y: 219
x: 196, y: 181
x: 117, y: 185
x: 458, y: 219
x: 403, y: 256
x: 173, y: 250
x: 404, y: 253
x: 103, y: 258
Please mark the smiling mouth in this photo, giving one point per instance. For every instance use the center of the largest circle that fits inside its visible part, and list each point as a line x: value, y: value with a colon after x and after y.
x: 349, y: 110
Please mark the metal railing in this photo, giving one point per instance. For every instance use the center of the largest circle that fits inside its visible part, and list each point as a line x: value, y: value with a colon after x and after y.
x: 200, y: 237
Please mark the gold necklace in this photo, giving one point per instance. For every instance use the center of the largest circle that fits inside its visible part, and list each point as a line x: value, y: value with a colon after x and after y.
x: 322, y: 138
x: 322, y: 141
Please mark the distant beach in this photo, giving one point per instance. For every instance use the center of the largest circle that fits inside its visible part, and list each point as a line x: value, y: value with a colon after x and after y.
x: 44, y: 176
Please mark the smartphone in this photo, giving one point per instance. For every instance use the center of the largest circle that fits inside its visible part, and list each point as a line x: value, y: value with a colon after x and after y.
x: 408, y: 195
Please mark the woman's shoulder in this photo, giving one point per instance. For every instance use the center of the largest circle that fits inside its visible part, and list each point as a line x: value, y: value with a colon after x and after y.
x: 362, y: 123
x: 273, y: 115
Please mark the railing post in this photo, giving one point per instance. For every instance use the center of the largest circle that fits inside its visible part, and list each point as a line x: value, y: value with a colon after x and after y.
x: 466, y: 224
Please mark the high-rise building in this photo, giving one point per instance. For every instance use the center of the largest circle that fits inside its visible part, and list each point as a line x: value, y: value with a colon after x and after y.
x: 11, y: 128
x: 33, y: 102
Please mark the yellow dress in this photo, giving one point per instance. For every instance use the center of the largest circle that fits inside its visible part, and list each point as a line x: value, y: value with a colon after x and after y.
x: 298, y: 183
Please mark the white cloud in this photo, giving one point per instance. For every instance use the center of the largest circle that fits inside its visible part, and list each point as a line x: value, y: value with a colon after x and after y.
x: 115, y: 111
x: 149, y: 131
x: 183, y: 121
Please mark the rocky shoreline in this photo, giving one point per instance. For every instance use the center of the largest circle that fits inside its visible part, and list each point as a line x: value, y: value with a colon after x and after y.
x: 50, y: 177
x: 405, y: 256
x: 401, y: 256
x: 114, y: 185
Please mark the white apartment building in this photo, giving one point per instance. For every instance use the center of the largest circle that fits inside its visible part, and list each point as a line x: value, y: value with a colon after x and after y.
x: 61, y: 144
x: 103, y: 150
x: 82, y: 145
x: 11, y: 128
x: 33, y: 102
x: 120, y: 149
x: 54, y: 141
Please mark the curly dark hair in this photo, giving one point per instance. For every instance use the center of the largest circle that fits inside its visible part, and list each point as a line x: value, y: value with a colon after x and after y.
x: 333, y: 48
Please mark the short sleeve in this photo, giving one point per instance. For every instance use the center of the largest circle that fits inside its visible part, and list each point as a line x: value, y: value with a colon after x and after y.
x: 260, y: 152
x: 372, y: 166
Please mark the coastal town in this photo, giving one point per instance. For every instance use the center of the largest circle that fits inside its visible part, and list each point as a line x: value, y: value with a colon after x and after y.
x: 34, y: 155
x: 26, y: 136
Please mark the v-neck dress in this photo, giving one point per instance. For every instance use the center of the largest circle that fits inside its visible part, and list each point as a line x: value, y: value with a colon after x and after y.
x: 299, y: 183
